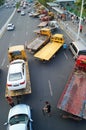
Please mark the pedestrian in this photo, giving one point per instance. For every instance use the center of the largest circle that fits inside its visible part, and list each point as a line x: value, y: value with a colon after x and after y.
x: 47, y: 108
x: 81, y: 28
x: 64, y: 46
x: 10, y: 101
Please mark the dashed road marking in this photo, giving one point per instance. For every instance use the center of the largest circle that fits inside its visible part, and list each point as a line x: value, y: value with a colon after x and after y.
x: 65, y: 55
x: 3, y: 62
x: 50, y: 88
x: 26, y: 33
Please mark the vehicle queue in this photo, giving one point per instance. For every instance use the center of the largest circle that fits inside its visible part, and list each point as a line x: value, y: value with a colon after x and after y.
x: 19, y: 119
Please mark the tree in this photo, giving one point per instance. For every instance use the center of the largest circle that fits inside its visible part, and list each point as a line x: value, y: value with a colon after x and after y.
x: 79, y: 2
x: 2, y: 2
x: 44, y: 2
x: 17, y: 5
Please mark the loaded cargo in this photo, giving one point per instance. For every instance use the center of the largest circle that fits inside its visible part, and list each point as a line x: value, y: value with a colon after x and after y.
x: 15, y: 53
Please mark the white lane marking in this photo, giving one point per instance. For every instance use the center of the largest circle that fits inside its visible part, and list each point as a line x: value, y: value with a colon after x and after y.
x: 50, y: 88
x: 65, y: 55
x: 26, y: 33
x: 3, y: 62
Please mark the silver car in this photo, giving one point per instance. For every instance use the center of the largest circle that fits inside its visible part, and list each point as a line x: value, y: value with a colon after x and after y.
x: 22, y: 13
x: 10, y: 27
x: 19, y: 118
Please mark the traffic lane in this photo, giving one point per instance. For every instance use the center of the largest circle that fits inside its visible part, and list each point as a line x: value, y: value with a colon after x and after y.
x: 42, y: 76
x: 22, y: 34
x: 48, y: 81
x: 24, y: 27
x: 9, y: 39
x: 4, y: 15
x: 3, y: 103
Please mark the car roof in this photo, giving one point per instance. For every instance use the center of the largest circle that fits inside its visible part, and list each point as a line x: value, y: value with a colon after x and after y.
x: 22, y: 11
x: 79, y: 45
x: 10, y: 23
x: 15, y: 67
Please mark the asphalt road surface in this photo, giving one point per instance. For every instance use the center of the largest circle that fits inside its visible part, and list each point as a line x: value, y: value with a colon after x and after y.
x: 4, y: 15
x: 47, y: 79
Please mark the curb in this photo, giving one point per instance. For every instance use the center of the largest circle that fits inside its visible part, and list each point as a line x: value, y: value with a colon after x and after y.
x: 5, y: 25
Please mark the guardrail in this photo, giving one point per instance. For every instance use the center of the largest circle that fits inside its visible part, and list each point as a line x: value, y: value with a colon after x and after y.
x: 70, y: 32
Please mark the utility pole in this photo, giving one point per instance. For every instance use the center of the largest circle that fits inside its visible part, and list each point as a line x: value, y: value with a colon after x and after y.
x: 80, y: 19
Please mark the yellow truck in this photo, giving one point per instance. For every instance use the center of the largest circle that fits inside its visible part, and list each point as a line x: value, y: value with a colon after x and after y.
x: 18, y: 52
x: 42, y: 39
x: 49, y: 50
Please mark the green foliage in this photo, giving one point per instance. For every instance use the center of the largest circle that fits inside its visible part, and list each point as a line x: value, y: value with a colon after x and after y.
x: 17, y: 5
x: 2, y: 2
x: 44, y: 2
x: 79, y: 2
x: 75, y: 9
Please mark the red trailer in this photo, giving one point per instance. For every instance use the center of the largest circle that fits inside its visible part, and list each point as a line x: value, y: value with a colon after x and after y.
x: 73, y: 98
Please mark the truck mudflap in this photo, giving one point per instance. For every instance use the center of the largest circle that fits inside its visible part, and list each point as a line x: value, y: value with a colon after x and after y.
x: 73, y: 98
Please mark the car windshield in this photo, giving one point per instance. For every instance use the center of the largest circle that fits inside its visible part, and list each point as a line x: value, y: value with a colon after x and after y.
x: 10, y: 25
x: 15, y: 76
x: 21, y: 118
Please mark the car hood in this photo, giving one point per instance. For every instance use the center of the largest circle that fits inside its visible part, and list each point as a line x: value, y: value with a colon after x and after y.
x: 18, y: 127
x: 19, y: 109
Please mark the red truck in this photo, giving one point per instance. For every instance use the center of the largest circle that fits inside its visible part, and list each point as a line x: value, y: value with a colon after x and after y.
x: 73, y: 98
x: 46, y: 18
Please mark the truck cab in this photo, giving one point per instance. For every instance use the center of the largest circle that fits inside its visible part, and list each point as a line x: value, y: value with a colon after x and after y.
x: 45, y: 31
x: 81, y: 62
x: 16, y: 52
x: 59, y: 38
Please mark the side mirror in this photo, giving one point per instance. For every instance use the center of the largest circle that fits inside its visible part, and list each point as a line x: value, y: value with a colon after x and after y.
x: 31, y: 120
x: 6, y: 123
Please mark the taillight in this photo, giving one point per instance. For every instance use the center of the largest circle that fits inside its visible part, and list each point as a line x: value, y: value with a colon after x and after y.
x: 22, y: 83
x: 9, y: 85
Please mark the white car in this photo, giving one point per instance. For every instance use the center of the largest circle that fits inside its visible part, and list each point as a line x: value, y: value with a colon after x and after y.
x: 31, y: 14
x: 53, y: 24
x: 22, y: 13
x: 19, y: 118
x: 10, y: 26
x: 16, y: 78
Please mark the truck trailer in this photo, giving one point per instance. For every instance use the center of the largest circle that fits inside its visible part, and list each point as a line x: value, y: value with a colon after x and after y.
x: 49, y: 50
x: 73, y: 98
x: 43, y: 37
x: 18, y: 52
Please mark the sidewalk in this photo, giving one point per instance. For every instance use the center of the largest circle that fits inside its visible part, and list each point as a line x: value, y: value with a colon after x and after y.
x: 72, y: 30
